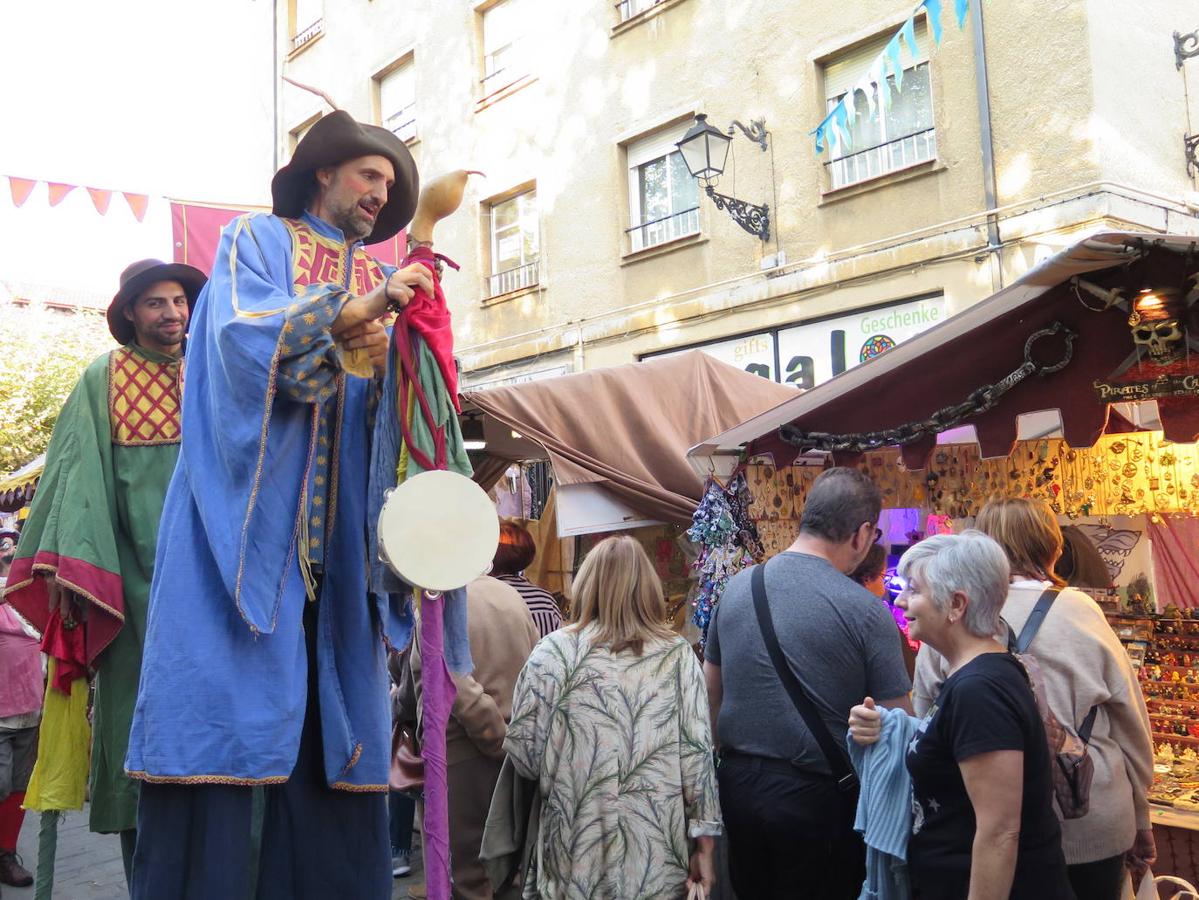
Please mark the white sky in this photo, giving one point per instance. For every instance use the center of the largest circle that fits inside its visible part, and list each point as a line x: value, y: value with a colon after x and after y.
x: 160, y: 97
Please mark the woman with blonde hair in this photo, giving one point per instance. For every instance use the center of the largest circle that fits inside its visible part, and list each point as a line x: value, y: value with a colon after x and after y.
x: 1085, y: 669
x: 610, y: 717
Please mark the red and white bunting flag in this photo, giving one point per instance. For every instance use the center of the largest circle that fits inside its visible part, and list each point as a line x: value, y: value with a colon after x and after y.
x: 137, y: 203
x: 100, y: 199
x: 58, y: 191
x: 21, y: 189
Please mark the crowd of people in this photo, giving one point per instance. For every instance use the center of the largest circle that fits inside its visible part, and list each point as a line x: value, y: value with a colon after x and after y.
x: 219, y: 530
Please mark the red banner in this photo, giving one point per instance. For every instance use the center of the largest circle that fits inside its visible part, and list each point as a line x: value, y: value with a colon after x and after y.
x: 196, y: 230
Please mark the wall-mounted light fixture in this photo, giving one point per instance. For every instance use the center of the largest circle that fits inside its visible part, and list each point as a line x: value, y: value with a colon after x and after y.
x: 705, y: 149
x: 1190, y: 144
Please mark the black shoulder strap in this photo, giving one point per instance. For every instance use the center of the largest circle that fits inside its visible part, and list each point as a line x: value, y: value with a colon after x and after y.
x: 803, y: 703
x: 1036, y: 618
x: 1084, y: 730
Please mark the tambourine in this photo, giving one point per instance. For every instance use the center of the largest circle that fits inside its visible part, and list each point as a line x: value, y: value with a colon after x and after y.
x: 438, y: 531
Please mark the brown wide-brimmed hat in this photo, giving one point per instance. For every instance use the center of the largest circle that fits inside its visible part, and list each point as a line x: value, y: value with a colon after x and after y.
x: 140, y: 275
x: 334, y: 139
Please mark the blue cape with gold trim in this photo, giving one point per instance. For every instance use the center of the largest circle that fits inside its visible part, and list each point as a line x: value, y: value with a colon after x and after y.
x: 223, y: 683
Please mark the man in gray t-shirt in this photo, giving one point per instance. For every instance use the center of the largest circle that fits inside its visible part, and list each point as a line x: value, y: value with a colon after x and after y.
x: 787, y: 823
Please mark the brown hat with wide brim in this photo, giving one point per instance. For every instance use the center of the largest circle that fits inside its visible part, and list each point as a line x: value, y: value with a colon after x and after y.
x: 334, y: 139
x: 142, y: 274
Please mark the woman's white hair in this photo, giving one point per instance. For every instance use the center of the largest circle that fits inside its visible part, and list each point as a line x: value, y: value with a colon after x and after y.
x: 971, y: 563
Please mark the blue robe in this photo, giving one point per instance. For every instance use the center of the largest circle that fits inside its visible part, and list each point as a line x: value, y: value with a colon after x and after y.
x: 223, y: 681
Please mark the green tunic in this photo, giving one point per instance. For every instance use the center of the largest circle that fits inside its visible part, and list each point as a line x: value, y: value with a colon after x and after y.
x: 94, y: 522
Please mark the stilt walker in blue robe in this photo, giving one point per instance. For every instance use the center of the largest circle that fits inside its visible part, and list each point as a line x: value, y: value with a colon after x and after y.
x: 265, y: 655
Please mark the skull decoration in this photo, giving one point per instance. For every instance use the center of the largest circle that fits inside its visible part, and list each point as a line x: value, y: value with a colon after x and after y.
x: 1164, y: 340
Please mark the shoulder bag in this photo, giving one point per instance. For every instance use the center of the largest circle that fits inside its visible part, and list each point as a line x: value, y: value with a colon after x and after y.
x: 1072, y: 767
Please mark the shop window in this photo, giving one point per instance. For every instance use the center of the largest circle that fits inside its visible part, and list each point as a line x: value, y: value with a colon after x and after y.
x: 887, y: 139
x: 663, y: 197
x: 305, y: 20
x: 397, y: 100
x: 503, y: 39
x: 515, y: 244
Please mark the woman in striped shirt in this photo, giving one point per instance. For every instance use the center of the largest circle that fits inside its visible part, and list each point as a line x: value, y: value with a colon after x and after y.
x: 513, y: 555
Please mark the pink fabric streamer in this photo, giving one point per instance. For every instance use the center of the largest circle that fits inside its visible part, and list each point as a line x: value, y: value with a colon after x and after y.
x: 1176, y: 562
x: 437, y: 691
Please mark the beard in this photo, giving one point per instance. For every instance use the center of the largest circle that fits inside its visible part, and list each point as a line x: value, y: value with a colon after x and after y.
x: 7, y: 558
x: 352, y: 221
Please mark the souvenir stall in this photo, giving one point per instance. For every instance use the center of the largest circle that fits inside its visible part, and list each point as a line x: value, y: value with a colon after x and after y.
x: 1077, y: 384
x: 16, y: 488
x: 616, y: 441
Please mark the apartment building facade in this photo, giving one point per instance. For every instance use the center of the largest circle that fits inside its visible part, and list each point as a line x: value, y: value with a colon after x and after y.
x: 588, y: 243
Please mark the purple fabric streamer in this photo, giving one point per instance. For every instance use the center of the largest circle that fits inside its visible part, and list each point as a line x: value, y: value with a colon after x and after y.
x: 437, y: 691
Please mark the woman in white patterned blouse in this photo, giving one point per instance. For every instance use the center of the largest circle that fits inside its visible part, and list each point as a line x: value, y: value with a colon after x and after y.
x: 610, y: 716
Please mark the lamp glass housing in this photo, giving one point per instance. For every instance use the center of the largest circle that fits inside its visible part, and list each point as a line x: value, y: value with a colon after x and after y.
x: 704, y: 148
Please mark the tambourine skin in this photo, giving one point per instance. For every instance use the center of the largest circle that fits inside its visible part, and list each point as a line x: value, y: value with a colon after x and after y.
x: 438, y: 531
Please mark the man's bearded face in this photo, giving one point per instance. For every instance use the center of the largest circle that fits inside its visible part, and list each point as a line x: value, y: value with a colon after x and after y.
x: 8, y: 550
x: 159, y: 316
x: 352, y: 194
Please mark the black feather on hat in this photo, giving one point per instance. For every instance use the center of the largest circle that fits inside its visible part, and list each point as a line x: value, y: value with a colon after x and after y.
x: 142, y: 274
x: 334, y: 139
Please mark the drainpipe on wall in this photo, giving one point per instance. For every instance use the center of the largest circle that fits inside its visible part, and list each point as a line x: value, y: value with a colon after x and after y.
x: 275, y: 82
x: 994, y: 248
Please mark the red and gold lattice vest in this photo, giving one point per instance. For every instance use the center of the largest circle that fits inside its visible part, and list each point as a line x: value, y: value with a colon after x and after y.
x: 143, y: 399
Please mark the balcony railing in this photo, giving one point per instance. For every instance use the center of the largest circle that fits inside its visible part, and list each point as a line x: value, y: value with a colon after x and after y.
x: 883, y: 158
x: 667, y: 228
x: 402, y: 123
x: 514, y: 279
x: 626, y: 9
x: 501, y: 67
x: 303, y: 37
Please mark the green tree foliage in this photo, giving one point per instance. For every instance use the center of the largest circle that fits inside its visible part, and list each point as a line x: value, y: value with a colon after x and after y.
x: 42, y: 354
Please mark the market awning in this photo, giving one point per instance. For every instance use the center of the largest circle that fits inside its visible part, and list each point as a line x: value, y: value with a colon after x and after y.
x: 16, y: 489
x: 627, y: 428
x: 986, y: 343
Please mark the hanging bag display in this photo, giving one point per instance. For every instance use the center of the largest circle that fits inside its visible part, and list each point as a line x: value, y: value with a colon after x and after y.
x: 1072, y: 766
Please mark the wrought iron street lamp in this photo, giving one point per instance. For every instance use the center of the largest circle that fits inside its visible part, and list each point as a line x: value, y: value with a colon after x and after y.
x: 705, y: 149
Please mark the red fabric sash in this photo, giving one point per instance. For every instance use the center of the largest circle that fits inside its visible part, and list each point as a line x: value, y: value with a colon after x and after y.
x: 66, y: 645
x: 430, y: 318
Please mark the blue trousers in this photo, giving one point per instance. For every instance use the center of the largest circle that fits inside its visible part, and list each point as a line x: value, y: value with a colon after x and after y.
x: 400, y: 811
x: 194, y: 841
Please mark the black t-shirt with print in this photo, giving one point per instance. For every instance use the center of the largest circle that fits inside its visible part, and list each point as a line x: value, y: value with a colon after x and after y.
x: 985, y: 706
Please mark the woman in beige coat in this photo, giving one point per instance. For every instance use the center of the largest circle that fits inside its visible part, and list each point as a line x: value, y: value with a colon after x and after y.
x: 1084, y: 665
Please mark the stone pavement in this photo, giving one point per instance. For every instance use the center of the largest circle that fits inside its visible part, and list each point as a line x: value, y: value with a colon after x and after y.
x: 88, y: 866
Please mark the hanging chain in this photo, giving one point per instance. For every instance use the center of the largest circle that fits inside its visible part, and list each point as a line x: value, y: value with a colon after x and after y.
x: 979, y: 401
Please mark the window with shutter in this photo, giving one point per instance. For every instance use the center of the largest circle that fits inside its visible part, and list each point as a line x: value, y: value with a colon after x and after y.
x: 663, y: 197
x: 397, y: 101
x: 502, y: 38
x: 306, y: 18
x: 901, y: 135
x: 515, y: 244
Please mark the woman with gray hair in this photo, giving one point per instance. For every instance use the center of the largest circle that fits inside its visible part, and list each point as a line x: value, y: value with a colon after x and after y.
x: 983, y: 822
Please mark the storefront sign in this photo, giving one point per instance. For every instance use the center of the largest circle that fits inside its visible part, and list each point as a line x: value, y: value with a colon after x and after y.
x: 813, y: 353
x: 816, y: 351
x: 1161, y: 386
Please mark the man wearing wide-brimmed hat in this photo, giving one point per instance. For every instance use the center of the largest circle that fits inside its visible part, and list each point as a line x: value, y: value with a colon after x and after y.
x: 264, y: 657
x: 86, y: 553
